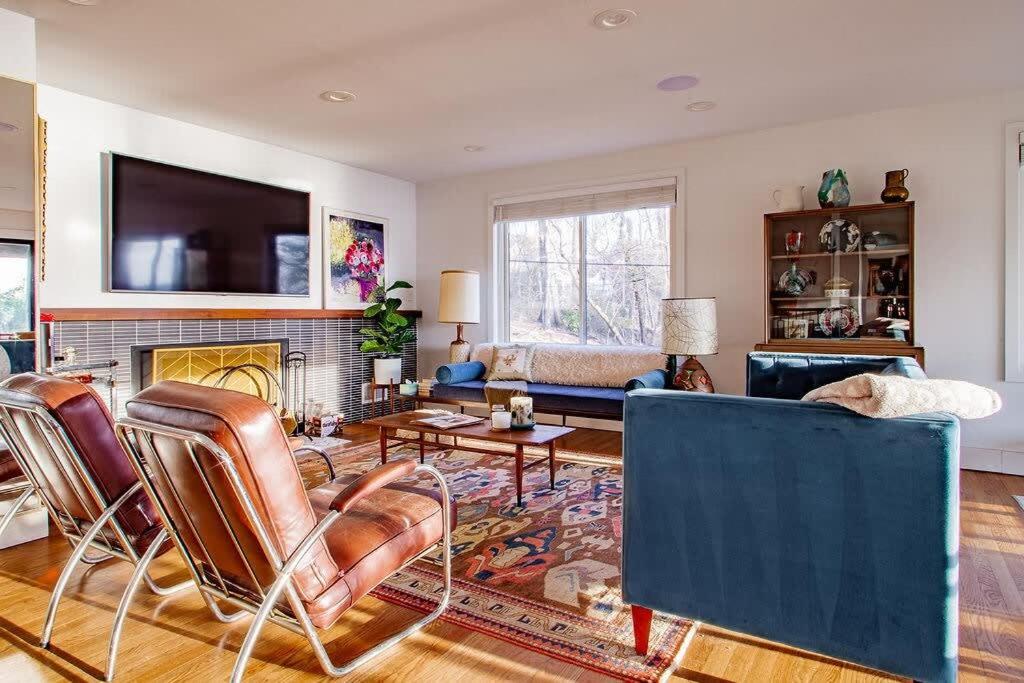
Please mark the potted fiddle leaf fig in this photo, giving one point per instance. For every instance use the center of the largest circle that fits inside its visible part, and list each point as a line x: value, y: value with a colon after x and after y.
x: 390, y: 334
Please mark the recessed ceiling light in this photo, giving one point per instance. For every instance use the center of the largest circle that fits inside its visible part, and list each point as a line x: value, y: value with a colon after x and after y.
x: 474, y: 148
x: 337, y: 95
x: 7, y: 127
x: 676, y: 83
x: 702, y: 105
x: 84, y: 2
x: 613, y: 18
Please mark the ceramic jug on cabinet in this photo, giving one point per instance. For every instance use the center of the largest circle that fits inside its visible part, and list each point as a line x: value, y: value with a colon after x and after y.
x: 895, y: 190
x: 789, y: 198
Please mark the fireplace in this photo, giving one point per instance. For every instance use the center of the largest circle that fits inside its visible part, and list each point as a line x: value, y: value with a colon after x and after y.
x: 255, y: 366
x: 326, y: 348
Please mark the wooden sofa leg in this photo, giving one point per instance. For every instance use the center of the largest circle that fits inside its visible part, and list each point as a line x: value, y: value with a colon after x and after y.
x: 641, y: 627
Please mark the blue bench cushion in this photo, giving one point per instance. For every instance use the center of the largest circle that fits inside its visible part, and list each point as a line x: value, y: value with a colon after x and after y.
x: 555, y: 398
x: 472, y: 390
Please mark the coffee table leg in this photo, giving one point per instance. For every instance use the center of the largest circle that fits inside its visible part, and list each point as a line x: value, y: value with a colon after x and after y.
x: 551, y: 462
x: 383, y: 445
x: 423, y: 447
x: 519, y: 475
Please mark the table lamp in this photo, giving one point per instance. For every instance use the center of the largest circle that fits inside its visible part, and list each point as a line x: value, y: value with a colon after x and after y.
x: 689, y: 328
x: 460, y: 304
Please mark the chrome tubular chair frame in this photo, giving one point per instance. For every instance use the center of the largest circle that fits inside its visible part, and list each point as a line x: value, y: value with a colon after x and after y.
x: 323, y: 454
x: 102, y: 532
x: 266, y: 606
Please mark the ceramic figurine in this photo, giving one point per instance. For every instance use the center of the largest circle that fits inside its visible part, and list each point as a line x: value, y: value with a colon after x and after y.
x: 895, y: 191
x: 834, y: 190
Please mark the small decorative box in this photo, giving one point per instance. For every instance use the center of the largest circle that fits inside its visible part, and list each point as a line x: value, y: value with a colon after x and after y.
x: 324, y: 425
x: 838, y: 287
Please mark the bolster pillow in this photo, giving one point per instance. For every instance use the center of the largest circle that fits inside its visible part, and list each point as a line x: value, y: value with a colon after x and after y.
x: 453, y: 373
x: 655, y: 379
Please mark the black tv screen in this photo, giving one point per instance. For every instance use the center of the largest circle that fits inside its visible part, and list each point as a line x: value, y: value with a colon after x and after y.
x: 175, y: 229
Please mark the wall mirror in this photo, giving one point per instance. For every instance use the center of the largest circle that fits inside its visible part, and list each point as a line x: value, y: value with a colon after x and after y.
x: 19, y: 225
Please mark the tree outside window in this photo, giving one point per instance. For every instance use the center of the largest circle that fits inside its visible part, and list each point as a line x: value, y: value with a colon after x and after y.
x: 589, y: 279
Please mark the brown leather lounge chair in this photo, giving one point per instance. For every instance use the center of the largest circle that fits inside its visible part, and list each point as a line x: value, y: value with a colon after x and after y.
x: 219, y: 468
x: 62, y: 437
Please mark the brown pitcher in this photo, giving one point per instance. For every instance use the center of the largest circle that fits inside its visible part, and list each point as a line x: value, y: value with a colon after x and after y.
x: 895, y: 190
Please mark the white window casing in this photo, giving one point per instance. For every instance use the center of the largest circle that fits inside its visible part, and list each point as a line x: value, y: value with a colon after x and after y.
x: 1014, y: 319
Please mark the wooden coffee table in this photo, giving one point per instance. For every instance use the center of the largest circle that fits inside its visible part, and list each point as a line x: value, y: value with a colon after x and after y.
x: 541, y: 435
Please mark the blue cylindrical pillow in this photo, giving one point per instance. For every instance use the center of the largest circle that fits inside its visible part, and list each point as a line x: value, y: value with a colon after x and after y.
x: 654, y: 379
x: 453, y: 373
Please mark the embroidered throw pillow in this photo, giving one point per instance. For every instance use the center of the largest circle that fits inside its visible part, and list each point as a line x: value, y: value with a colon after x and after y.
x: 511, y: 362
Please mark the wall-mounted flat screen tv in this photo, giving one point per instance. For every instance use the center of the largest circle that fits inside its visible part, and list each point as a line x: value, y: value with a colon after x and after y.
x: 175, y: 229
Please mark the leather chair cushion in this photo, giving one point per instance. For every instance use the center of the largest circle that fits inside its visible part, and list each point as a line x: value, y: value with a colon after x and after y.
x: 8, y: 465
x: 90, y: 428
x: 376, y: 537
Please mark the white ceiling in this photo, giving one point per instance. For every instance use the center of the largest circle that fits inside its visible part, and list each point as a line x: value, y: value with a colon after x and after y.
x: 531, y: 80
x: 17, y: 148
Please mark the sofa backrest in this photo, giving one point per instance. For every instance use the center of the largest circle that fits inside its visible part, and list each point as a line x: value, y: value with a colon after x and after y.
x: 584, y: 365
x: 792, y: 375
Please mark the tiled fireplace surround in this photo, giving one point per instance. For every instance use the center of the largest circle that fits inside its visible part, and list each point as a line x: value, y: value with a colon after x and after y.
x: 335, y: 369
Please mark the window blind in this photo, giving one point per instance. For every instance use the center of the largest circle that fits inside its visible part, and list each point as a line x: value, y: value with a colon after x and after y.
x: 14, y: 250
x: 661, y: 194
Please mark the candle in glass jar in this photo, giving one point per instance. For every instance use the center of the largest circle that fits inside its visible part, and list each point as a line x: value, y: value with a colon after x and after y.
x: 501, y: 419
x: 522, y: 412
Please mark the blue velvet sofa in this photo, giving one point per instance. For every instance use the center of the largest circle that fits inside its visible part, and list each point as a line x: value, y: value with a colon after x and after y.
x: 802, y: 523
x: 463, y: 384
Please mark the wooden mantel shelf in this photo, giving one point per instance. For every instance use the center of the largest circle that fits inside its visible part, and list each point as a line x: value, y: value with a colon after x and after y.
x: 88, y: 314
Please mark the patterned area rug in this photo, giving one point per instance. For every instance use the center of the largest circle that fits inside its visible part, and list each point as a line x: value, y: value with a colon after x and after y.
x: 544, y: 576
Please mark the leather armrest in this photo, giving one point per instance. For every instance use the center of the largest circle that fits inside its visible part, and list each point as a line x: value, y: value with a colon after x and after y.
x: 376, y: 478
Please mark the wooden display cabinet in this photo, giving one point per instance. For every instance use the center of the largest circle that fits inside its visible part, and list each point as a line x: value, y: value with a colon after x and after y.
x: 852, y: 296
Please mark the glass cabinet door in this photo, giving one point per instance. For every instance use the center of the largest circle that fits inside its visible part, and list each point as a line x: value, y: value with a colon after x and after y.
x: 840, y: 274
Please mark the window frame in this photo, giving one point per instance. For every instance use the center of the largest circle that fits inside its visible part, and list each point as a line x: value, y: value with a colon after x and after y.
x: 1014, y: 319
x: 500, y: 314
x: 31, y: 288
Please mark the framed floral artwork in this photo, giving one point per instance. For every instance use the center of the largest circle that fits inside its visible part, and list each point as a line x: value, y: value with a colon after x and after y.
x: 355, y: 257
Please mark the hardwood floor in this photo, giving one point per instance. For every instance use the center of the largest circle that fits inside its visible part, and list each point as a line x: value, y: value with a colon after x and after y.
x: 175, y: 638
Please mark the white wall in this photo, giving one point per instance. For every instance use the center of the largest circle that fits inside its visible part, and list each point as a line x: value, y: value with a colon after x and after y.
x: 80, y: 130
x: 17, y: 45
x: 955, y: 156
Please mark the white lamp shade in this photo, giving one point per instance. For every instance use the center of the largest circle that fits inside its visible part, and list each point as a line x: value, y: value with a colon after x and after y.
x: 689, y: 327
x: 460, y: 297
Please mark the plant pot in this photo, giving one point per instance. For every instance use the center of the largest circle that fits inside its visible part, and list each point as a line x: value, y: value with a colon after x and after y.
x: 387, y: 369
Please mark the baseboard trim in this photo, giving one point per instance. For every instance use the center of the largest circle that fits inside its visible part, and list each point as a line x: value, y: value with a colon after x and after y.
x: 992, y: 460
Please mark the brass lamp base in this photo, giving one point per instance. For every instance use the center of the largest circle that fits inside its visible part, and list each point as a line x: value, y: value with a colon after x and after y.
x: 458, y: 351
x: 692, y: 376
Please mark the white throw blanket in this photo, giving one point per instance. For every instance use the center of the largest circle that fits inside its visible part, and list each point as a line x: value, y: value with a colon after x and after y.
x: 895, y: 396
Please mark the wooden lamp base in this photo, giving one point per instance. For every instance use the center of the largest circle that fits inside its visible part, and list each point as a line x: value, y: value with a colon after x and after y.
x: 692, y: 376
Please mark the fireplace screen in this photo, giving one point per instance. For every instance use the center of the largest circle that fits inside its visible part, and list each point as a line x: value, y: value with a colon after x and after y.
x: 254, y: 367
